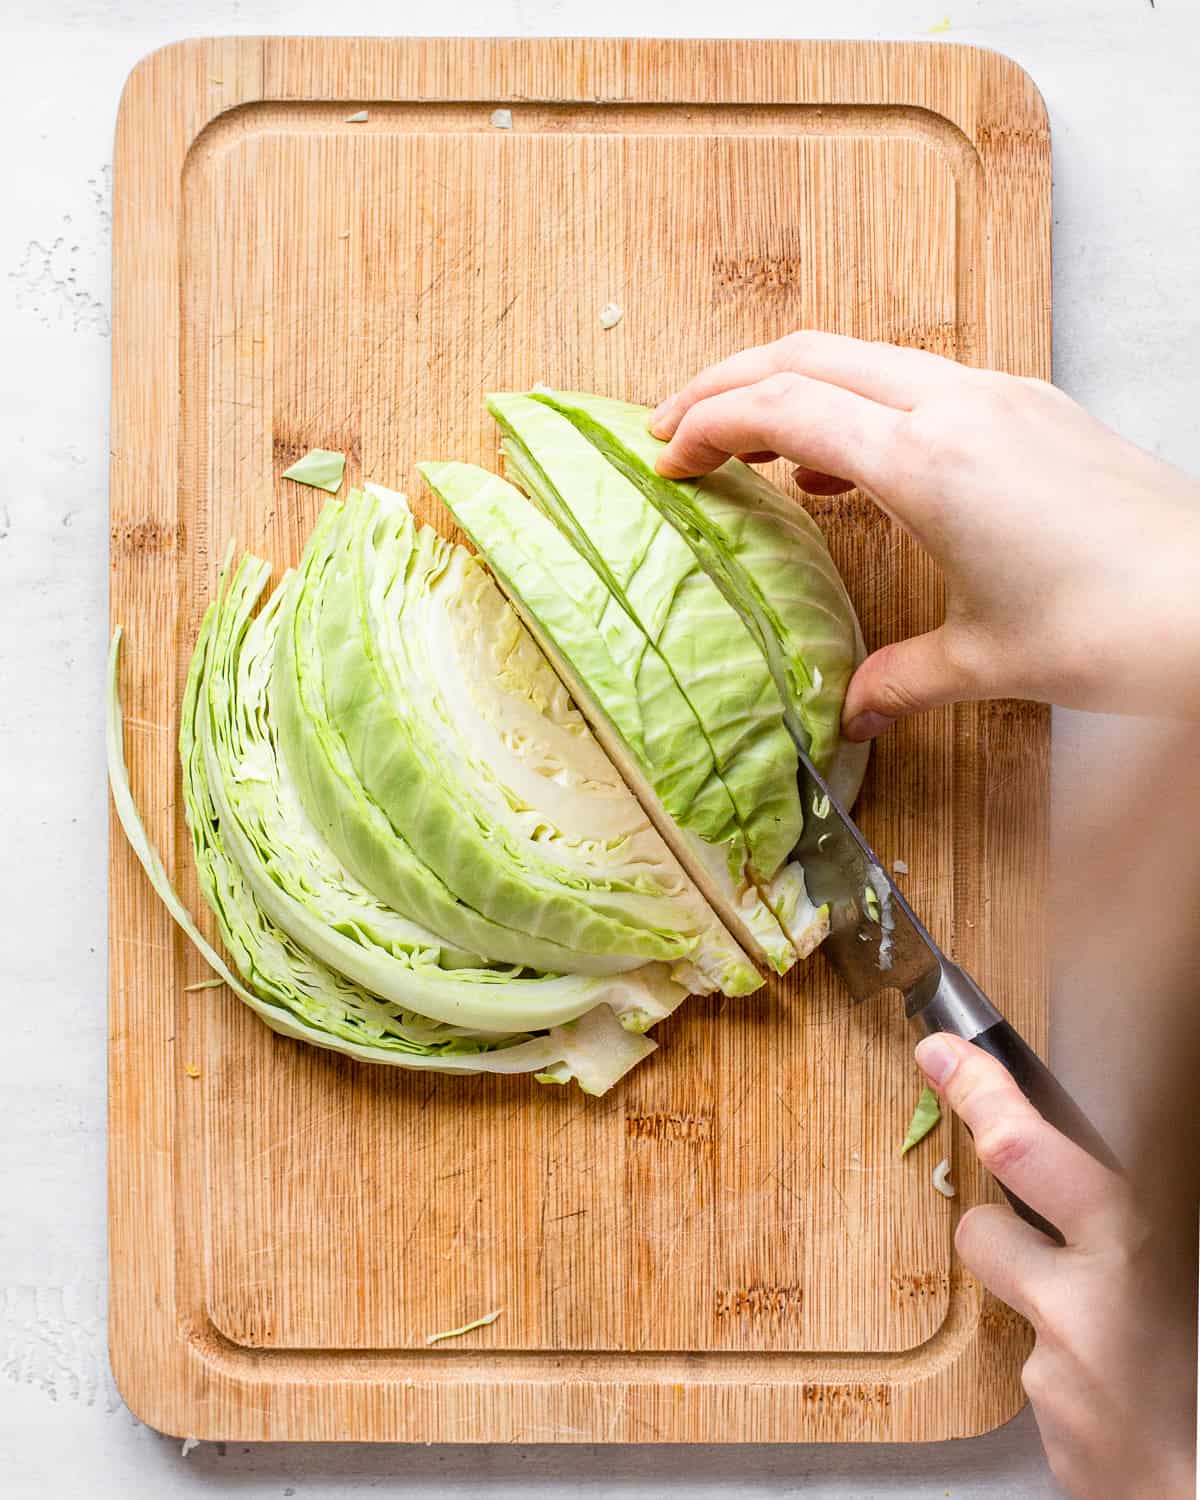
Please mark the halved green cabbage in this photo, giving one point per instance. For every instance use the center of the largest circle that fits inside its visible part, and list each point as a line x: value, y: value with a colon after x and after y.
x: 768, y: 558
x: 415, y: 848
x: 385, y: 705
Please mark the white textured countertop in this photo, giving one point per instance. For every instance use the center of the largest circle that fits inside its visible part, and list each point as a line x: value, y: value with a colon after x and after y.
x: 1119, y: 79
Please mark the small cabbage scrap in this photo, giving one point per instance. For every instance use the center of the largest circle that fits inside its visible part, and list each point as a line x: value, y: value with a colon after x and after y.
x: 320, y: 468
x: 456, y: 1333
x: 878, y: 896
x: 941, y: 1178
x: 926, y: 1115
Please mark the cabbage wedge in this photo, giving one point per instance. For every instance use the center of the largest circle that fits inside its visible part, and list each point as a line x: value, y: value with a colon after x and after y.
x: 767, y: 556
x: 653, y: 575
x: 298, y: 996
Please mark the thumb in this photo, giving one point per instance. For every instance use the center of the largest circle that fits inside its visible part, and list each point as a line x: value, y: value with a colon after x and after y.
x: 904, y: 678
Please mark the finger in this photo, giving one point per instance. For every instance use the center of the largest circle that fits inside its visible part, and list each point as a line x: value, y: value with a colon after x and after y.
x: 889, y: 373
x: 1007, y: 1255
x: 763, y: 456
x: 904, y: 678
x: 1057, y: 1178
x: 747, y: 367
x: 815, y: 425
x: 814, y: 483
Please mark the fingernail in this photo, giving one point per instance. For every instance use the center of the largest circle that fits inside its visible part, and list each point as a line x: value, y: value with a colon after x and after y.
x: 867, y: 726
x: 658, y: 423
x: 936, y: 1058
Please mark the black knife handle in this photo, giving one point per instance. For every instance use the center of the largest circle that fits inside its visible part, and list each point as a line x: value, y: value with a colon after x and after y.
x: 954, y: 1003
x: 1052, y: 1102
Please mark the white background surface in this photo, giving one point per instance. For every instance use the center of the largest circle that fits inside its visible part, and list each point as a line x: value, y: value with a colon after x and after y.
x: 1119, y: 78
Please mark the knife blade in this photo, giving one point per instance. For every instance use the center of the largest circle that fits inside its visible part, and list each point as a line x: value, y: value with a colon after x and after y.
x: 876, y: 941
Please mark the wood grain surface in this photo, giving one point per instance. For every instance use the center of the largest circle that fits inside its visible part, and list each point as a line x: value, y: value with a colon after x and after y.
x: 727, y: 1246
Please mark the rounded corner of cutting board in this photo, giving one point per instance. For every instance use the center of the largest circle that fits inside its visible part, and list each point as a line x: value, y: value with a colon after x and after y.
x: 984, y: 1421
x: 1013, y: 80
x: 151, y: 1377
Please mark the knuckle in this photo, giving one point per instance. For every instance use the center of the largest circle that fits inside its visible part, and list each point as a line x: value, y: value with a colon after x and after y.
x: 1042, y: 388
x: 686, y: 398
x: 1045, y: 1311
x: 968, y: 655
x: 799, y: 345
x: 923, y: 441
x: 776, y: 390
x: 1000, y: 399
x: 1003, y: 1145
x: 989, y: 386
x: 943, y: 436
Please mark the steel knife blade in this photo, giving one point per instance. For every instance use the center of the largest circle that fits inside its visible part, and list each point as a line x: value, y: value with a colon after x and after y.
x: 876, y: 941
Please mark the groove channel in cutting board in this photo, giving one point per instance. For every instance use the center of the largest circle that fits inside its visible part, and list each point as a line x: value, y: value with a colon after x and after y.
x: 735, y: 1212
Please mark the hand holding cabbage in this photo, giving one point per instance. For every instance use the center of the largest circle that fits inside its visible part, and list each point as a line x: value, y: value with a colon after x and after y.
x: 1035, y: 511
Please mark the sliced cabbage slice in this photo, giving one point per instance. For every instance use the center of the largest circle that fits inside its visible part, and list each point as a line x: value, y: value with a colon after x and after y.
x: 767, y: 556
x: 635, y: 702
x: 653, y: 576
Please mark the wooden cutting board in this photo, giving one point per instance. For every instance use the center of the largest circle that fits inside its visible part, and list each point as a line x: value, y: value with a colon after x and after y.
x: 727, y: 1246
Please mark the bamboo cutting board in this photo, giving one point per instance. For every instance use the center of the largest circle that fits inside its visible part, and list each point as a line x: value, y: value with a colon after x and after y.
x: 727, y: 1246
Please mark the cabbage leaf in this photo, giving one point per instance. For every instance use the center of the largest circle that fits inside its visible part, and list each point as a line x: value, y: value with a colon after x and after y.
x: 767, y: 556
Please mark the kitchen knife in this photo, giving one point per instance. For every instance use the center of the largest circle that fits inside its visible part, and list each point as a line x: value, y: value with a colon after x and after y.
x: 876, y: 942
